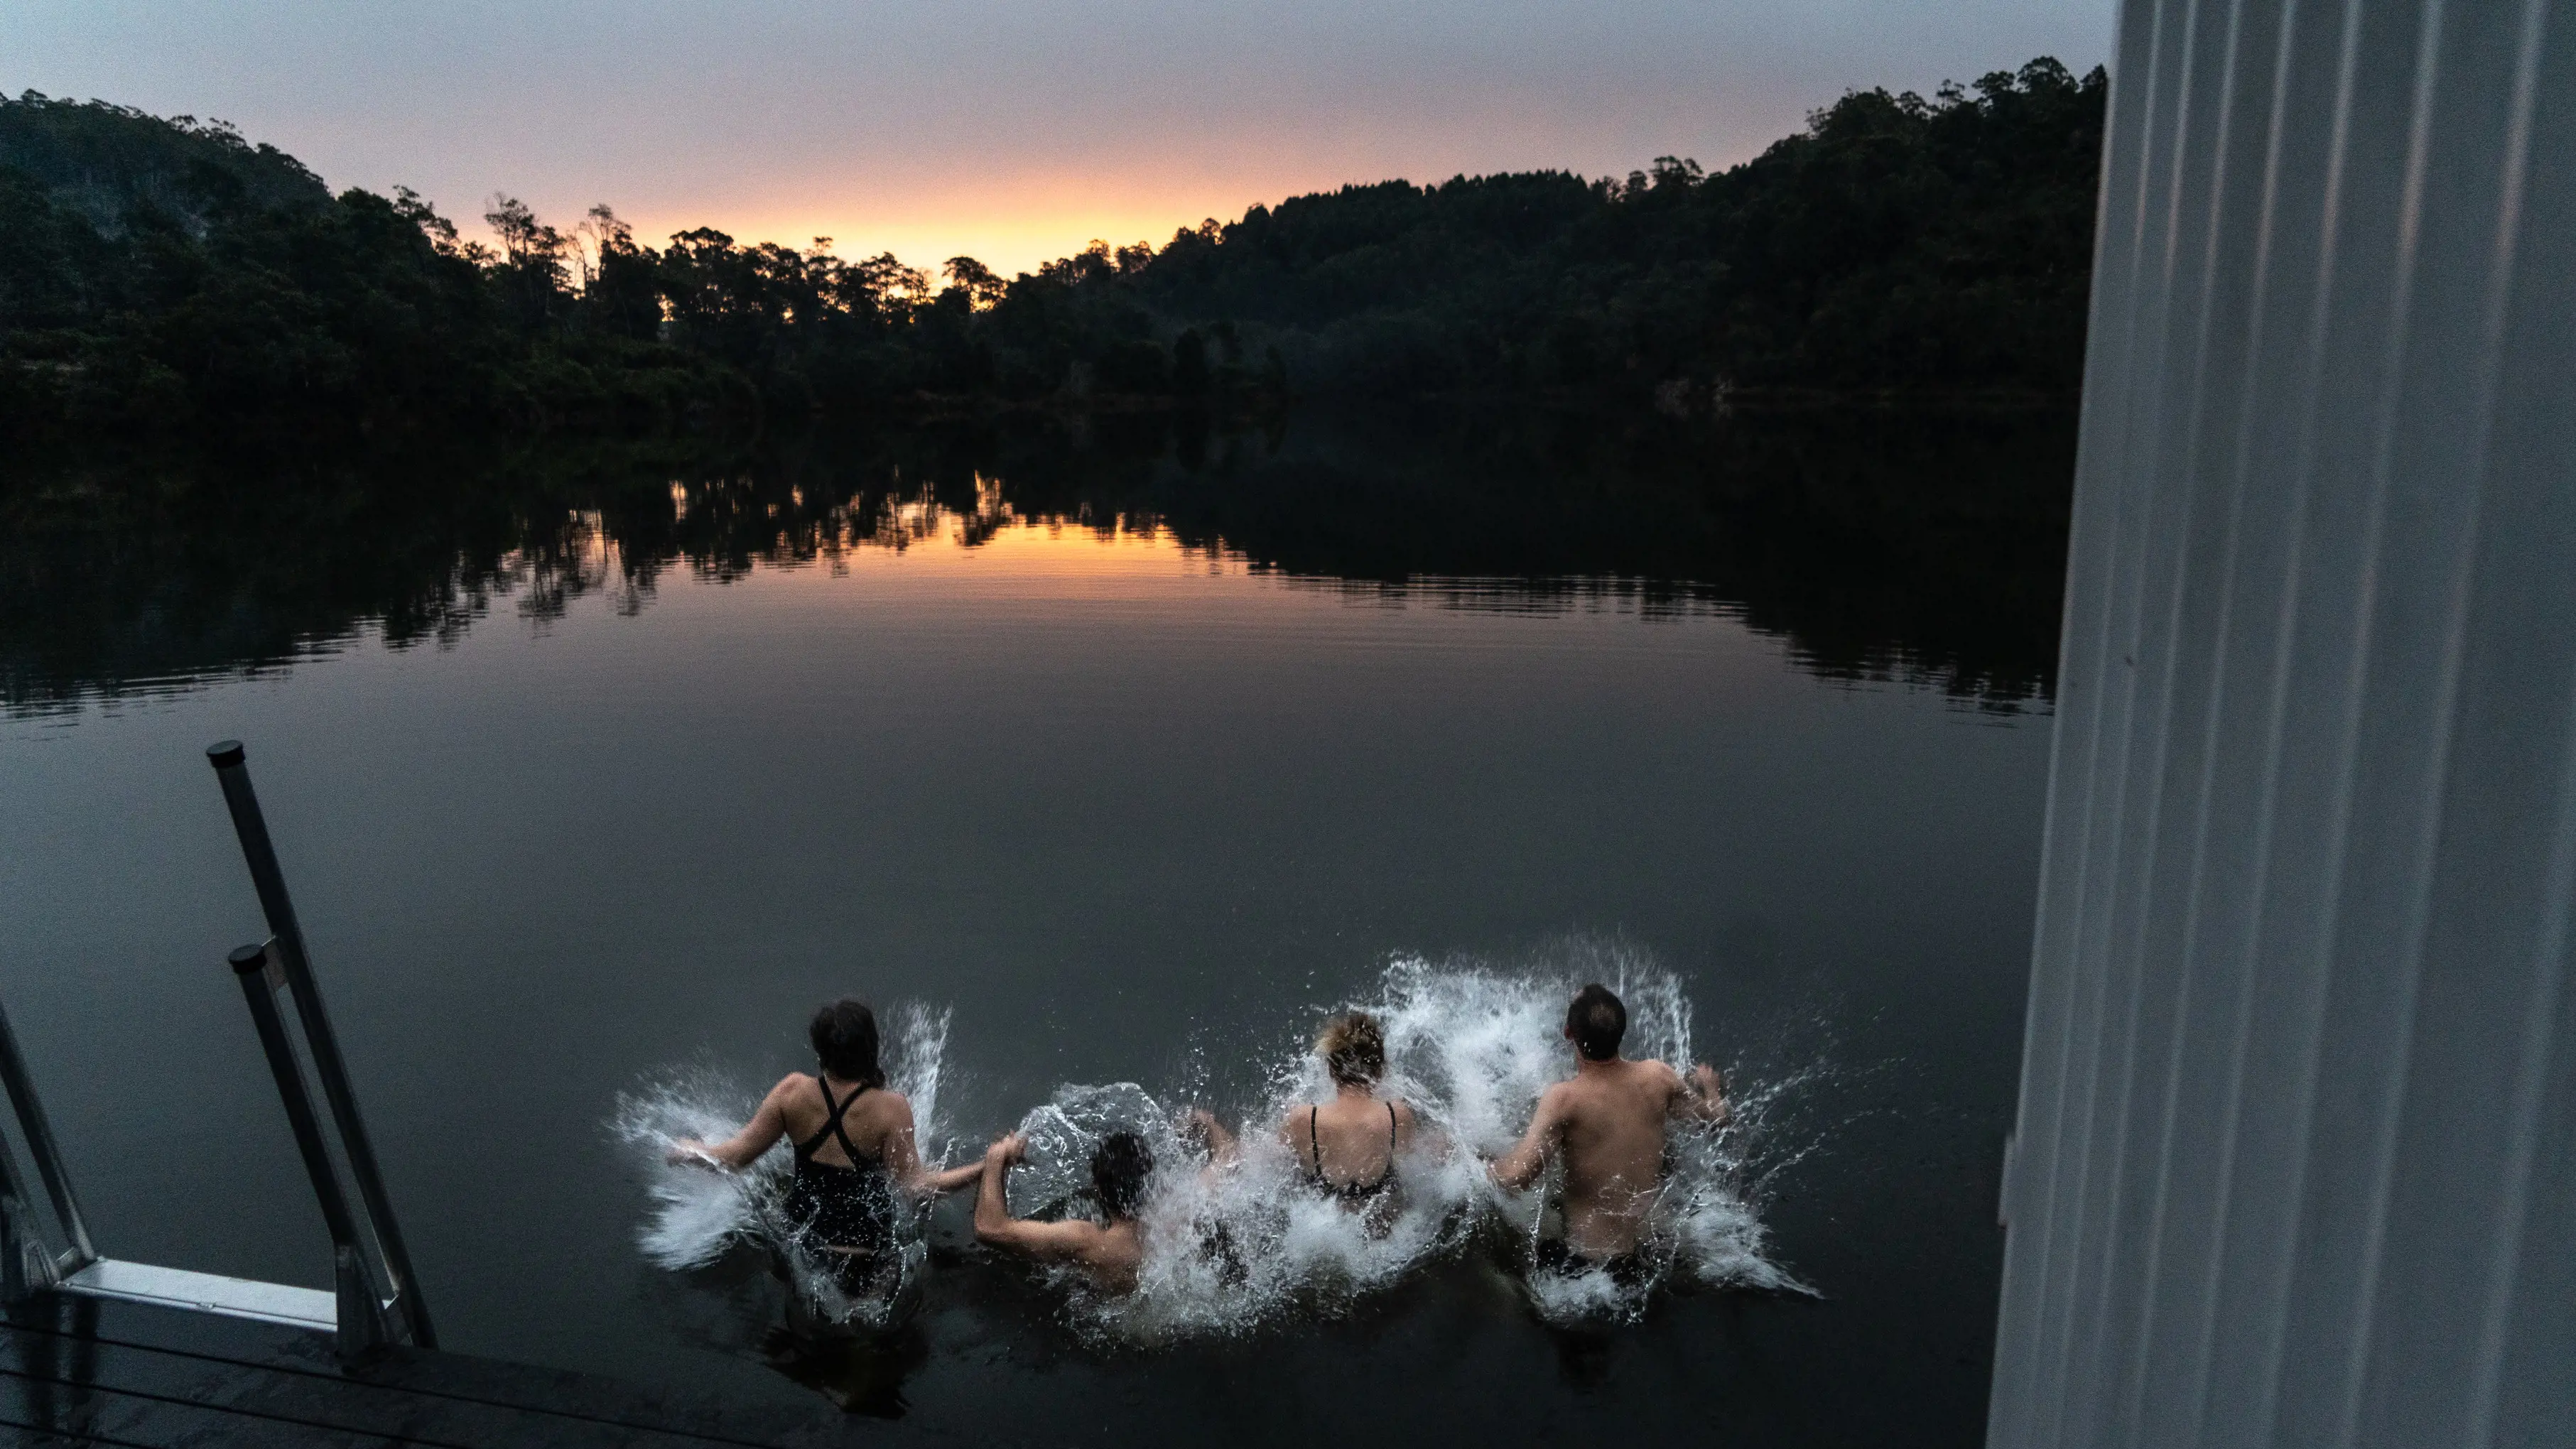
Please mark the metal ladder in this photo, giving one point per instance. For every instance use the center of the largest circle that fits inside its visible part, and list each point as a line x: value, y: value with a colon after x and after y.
x: 376, y: 1299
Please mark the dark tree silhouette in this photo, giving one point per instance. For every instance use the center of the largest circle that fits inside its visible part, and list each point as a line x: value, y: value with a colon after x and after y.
x: 170, y: 275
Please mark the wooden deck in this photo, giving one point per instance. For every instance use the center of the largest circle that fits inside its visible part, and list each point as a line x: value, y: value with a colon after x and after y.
x: 81, y: 1371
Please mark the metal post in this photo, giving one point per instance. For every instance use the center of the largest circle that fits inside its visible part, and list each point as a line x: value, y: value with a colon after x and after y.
x: 21, y: 1250
x: 361, y: 1321
x: 270, y: 882
x: 41, y: 1146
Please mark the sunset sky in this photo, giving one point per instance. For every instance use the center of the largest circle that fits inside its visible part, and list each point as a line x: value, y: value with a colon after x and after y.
x: 1011, y: 130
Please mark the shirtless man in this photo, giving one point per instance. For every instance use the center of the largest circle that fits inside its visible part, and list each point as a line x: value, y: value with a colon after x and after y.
x: 1608, y: 1123
x: 1108, y: 1254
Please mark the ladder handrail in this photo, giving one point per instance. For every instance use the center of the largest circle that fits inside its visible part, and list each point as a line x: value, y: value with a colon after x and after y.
x: 41, y: 1145
x: 357, y: 1316
x: 361, y: 1318
x: 287, y: 944
x: 358, y: 1260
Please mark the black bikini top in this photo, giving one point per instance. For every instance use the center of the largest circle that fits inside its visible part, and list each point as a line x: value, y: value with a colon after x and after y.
x: 1350, y: 1191
x: 832, y: 1127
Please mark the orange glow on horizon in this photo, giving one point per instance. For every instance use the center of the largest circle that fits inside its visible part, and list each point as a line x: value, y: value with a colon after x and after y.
x: 1010, y: 227
x: 1008, y: 242
x: 1008, y: 245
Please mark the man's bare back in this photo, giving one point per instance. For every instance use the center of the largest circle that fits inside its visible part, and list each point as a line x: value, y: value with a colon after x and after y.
x: 1608, y: 1123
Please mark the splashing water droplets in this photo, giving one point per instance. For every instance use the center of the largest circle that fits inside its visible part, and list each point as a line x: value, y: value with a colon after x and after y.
x: 697, y: 1214
x: 1230, y: 1247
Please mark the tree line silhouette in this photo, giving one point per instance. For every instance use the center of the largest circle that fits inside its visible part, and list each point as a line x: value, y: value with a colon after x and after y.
x: 169, y: 275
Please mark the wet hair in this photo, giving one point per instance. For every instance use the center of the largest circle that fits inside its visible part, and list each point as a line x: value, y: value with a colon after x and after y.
x: 844, y: 1034
x: 1596, y: 1021
x: 1353, y: 1048
x: 1119, y: 1168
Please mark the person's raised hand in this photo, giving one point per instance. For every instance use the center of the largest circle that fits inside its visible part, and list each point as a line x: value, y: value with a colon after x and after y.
x: 1708, y: 1083
x: 1010, y: 1151
x: 689, y: 1152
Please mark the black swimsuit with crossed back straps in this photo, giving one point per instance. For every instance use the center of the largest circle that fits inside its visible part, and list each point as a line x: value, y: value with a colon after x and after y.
x: 1351, y: 1194
x: 850, y: 1208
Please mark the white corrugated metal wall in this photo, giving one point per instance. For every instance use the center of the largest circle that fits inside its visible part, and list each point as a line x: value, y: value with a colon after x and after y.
x: 2296, y: 1158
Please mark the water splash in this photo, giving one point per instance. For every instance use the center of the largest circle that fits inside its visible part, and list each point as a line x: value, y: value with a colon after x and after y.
x: 1229, y: 1248
x: 916, y: 1058
x: 1470, y: 1044
x: 698, y: 1213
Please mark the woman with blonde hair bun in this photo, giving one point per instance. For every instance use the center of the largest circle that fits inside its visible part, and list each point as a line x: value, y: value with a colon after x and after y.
x: 1348, y: 1148
x: 1350, y: 1145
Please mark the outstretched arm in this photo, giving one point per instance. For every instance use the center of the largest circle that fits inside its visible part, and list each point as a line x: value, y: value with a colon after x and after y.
x: 1520, y: 1167
x: 743, y: 1148
x: 903, y: 1160
x: 1046, y: 1242
x: 1222, y: 1145
x: 1703, y: 1095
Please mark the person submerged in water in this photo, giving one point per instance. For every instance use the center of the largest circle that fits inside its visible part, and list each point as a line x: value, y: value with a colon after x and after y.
x: 1347, y: 1149
x: 856, y: 1160
x: 1608, y: 1125
x: 1109, y: 1254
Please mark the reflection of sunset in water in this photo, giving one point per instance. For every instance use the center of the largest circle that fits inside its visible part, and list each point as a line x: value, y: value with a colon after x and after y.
x: 906, y: 547
x: 973, y: 532
x: 913, y: 533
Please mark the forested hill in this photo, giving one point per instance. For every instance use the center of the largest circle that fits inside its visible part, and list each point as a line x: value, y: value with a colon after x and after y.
x: 106, y: 163
x: 1897, y: 243
x: 167, y: 274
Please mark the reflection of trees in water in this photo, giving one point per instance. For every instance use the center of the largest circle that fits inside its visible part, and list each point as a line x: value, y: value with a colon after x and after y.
x: 1919, y: 547
x: 1926, y: 547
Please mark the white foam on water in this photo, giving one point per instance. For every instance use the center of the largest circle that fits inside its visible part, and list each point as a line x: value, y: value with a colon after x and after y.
x: 915, y: 1057
x: 699, y: 1212
x: 1471, y: 1043
x: 696, y: 1212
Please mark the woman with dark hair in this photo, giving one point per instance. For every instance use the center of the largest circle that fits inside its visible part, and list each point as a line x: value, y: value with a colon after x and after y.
x: 854, y: 1147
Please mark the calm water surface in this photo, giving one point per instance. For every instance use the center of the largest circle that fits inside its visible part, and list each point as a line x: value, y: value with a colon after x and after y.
x: 1138, y: 787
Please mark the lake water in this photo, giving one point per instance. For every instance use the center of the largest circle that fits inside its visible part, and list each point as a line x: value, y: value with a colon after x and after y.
x: 1136, y: 752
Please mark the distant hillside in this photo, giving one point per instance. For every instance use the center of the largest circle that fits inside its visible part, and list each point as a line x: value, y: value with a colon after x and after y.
x: 105, y: 162
x: 169, y: 275
x: 1898, y: 243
